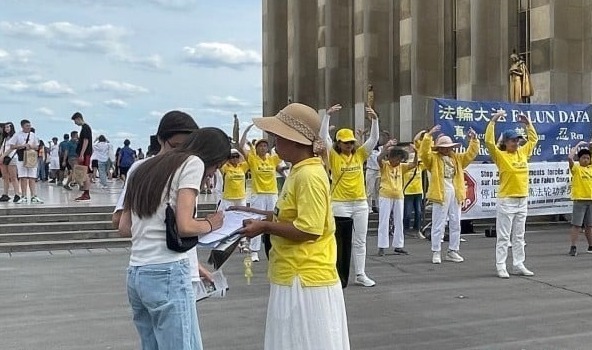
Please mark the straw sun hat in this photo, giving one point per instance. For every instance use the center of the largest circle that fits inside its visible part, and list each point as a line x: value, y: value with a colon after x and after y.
x: 296, y: 122
x: 444, y: 142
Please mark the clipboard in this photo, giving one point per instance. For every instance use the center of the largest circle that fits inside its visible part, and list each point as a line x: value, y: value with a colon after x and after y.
x: 220, y: 254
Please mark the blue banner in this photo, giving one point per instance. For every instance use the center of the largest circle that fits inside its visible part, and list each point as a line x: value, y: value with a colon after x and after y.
x: 559, y: 126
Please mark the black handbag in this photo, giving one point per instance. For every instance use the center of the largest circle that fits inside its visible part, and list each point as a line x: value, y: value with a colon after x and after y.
x: 6, y: 160
x: 173, y: 240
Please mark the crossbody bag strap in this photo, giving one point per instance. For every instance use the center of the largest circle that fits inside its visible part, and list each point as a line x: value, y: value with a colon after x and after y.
x: 411, y: 179
x: 168, y: 193
x: 342, y: 173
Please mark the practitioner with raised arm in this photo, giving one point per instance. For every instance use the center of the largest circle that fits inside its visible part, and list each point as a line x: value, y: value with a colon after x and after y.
x: 346, y: 163
x: 447, y: 187
x: 581, y: 194
x: 511, y: 160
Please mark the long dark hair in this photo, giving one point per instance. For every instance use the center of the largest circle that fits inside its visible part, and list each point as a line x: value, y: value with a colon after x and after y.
x: 150, y: 179
x: 11, y: 133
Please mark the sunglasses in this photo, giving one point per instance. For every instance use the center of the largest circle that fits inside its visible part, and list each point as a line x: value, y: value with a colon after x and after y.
x: 349, y: 143
x: 234, y: 156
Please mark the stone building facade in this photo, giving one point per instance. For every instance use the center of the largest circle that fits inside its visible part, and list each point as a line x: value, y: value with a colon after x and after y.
x: 322, y: 52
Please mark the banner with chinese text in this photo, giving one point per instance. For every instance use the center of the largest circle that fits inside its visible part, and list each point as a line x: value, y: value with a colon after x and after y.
x: 549, y: 190
x: 559, y: 126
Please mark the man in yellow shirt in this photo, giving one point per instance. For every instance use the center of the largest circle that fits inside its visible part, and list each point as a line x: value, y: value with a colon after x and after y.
x: 581, y: 194
x: 511, y: 160
x: 264, y: 191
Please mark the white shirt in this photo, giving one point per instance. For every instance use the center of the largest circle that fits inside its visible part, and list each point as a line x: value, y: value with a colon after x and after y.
x: 372, y: 161
x: 6, y: 147
x: 54, y: 151
x: 449, y: 172
x: 20, y: 137
x: 119, y: 204
x: 149, y: 234
x: 101, y: 151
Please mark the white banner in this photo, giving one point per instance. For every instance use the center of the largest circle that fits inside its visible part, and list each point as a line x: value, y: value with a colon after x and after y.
x: 549, y: 190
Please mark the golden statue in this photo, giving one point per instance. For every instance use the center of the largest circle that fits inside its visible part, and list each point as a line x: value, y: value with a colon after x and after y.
x: 235, y: 131
x: 370, y: 96
x: 520, y: 86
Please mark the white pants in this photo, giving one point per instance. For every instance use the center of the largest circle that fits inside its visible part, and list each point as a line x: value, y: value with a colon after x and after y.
x: 358, y: 211
x: 306, y: 318
x: 448, y: 210
x: 372, y: 186
x: 510, y: 221
x: 225, y: 203
x: 390, y: 207
x: 265, y: 202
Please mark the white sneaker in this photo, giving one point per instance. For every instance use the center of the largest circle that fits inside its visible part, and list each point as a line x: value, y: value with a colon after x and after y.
x: 436, y: 258
x: 36, y: 199
x: 502, y: 273
x: 453, y: 256
x: 363, y: 280
x: 522, y: 271
x: 23, y: 200
x: 254, y: 256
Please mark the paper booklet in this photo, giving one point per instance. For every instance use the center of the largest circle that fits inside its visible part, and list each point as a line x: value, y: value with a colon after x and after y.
x: 206, y: 289
x: 233, y: 223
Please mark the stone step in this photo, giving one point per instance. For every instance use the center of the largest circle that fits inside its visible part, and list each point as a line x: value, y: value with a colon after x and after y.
x: 46, y: 218
x: 58, y: 236
x: 41, y: 209
x: 55, y: 227
x: 64, y: 245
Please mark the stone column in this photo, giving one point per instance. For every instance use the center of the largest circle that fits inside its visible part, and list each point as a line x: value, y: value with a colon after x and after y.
x: 425, y: 63
x: 374, y: 60
x: 302, y: 52
x: 275, y: 56
x: 335, y: 59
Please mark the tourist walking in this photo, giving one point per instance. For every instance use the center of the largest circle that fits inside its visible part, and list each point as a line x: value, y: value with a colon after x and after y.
x: 84, y: 153
x: 8, y: 165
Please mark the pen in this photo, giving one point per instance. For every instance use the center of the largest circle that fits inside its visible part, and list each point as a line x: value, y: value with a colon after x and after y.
x: 218, y: 205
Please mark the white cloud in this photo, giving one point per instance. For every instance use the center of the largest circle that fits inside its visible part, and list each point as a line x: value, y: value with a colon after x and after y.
x: 225, y: 102
x: 216, y: 55
x: 115, y: 103
x: 166, y: 4
x: 81, y: 103
x: 14, y: 63
x: 106, y: 38
x: 44, y: 111
x: 49, y: 88
x: 124, y: 135
x: 174, y: 4
x: 120, y: 87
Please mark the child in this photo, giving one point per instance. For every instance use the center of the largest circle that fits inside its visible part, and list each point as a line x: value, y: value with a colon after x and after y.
x: 447, y: 187
x: 391, y: 196
x: 581, y: 195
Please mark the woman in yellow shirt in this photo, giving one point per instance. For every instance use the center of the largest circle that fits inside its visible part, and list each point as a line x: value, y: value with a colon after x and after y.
x: 264, y: 191
x: 581, y: 194
x: 391, y: 196
x: 447, y: 188
x: 348, y: 194
x: 306, y: 309
x: 511, y: 160
x: 234, y: 181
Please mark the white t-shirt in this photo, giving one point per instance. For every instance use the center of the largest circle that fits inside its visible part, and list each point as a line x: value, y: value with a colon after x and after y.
x: 372, y: 161
x: 101, y: 152
x: 6, y: 147
x: 119, y: 204
x: 20, y: 137
x: 149, y: 234
x: 449, y: 172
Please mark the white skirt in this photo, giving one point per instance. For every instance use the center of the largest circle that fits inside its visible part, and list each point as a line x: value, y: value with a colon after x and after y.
x: 306, y: 318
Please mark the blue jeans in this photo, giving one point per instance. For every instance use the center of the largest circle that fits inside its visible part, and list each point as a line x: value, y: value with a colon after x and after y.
x: 163, y: 305
x: 41, y: 174
x: 412, y: 204
x: 103, y: 173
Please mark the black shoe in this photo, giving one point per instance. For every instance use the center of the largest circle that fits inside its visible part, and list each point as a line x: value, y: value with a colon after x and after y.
x: 401, y: 251
x: 589, y: 249
x: 52, y: 181
x: 375, y: 209
x: 573, y: 251
x: 16, y: 198
x: 4, y: 198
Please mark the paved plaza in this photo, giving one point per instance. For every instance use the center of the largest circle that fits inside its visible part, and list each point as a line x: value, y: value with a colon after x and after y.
x: 77, y: 300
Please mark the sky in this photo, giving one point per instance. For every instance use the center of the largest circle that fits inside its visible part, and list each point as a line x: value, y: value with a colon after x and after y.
x: 124, y: 63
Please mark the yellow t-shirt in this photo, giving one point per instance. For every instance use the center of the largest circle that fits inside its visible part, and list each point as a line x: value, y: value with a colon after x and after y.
x: 581, y: 182
x: 305, y: 202
x: 416, y: 184
x: 234, y: 180
x: 391, y: 179
x: 513, y: 167
x: 347, y: 174
x: 263, y: 172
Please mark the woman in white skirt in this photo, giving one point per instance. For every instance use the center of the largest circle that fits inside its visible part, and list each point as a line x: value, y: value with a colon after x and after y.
x: 306, y: 309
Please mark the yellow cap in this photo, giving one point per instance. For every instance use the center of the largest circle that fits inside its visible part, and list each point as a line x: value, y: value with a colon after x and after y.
x: 345, y: 135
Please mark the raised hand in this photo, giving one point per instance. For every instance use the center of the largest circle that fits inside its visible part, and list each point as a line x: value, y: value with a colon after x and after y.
x: 495, y: 116
x: 523, y: 119
x: 435, y: 129
x: 471, y: 134
x: 333, y: 109
x: 371, y: 113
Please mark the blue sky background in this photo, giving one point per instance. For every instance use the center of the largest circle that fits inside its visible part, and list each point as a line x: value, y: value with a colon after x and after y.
x: 124, y: 63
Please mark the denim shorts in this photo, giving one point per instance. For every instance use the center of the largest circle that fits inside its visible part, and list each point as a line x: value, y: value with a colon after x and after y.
x: 582, y: 213
x: 163, y: 305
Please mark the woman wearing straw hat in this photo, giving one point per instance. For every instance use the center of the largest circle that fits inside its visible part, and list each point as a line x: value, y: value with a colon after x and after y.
x: 348, y: 194
x: 511, y: 160
x: 447, y: 187
x: 306, y: 308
